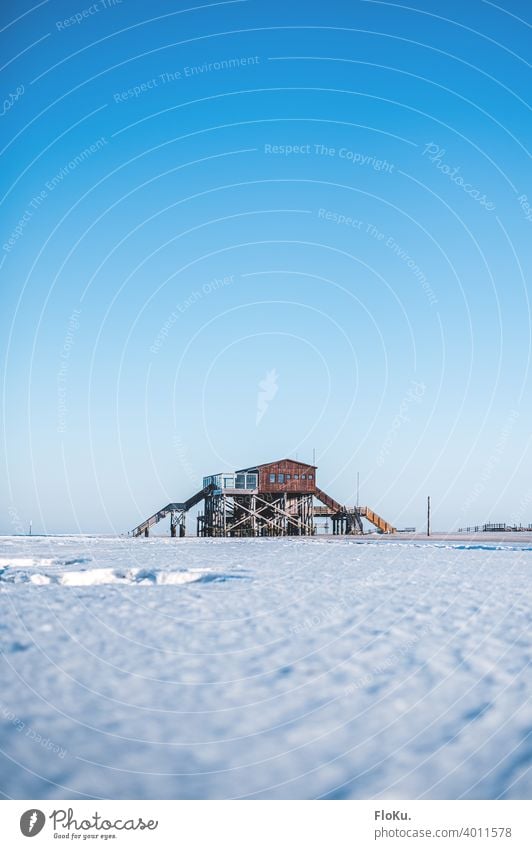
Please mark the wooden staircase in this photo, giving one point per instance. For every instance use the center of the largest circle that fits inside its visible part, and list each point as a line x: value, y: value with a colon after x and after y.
x: 376, y: 520
x: 332, y: 507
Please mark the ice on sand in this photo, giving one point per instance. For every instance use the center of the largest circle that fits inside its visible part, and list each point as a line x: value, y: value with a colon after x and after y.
x: 285, y: 668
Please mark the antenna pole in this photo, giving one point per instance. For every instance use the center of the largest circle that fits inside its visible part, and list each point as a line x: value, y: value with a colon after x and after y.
x: 428, y: 515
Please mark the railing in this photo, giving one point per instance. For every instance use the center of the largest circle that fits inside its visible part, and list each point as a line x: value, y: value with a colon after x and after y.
x: 174, y: 507
x: 494, y: 527
x: 233, y: 480
x: 328, y: 501
x: 377, y: 520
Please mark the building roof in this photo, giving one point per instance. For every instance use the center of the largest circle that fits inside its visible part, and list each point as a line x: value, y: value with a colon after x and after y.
x: 276, y: 463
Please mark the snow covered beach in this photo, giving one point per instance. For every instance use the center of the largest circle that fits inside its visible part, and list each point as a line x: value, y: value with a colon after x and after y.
x: 272, y: 668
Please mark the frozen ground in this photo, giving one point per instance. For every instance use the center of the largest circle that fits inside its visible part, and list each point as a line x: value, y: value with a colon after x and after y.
x: 264, y: 668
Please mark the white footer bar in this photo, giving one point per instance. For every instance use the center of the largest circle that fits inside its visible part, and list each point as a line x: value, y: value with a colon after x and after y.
x: 268, y: 824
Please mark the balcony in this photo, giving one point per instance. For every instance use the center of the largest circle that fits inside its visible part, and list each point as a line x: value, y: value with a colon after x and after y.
x: 241, y: 481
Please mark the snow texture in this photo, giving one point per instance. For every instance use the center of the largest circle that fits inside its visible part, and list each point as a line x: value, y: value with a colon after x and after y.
x: 287, y: 668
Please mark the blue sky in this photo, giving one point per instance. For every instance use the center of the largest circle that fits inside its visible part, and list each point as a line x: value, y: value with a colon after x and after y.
x: 329, y: 197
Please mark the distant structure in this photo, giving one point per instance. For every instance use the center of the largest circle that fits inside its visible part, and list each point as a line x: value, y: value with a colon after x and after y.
x: 270, y: 499
x: 495, y: 527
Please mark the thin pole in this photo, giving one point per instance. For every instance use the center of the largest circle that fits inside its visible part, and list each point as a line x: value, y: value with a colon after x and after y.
x: 358, y: 489
x: 428, y: 515
x: 30, y: 527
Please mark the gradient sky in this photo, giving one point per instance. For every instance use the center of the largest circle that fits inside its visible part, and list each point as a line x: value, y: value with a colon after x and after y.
x: 163, y: 255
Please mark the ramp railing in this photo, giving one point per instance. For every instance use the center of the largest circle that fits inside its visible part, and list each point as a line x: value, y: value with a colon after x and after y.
x: 174, y: 507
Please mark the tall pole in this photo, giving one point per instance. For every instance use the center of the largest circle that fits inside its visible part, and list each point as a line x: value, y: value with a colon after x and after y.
x: 428, y: 515
x: 30, y: 527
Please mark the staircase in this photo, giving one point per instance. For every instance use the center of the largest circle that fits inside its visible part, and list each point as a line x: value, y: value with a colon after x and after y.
x: 335, y: 507
x: 329, y: 502
x: 377, y: 520
x: 177, y: 506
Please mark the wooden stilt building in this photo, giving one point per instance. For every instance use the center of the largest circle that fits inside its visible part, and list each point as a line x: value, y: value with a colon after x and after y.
x: 270, y: 499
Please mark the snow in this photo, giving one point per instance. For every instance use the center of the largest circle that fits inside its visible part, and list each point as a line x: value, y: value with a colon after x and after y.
x: 274, y: 668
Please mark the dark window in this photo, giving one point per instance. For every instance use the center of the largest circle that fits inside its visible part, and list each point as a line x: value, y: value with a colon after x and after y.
x: 296, y: 477
x: 303, y: 477
x: 272, y: 478
x: 280, y: 478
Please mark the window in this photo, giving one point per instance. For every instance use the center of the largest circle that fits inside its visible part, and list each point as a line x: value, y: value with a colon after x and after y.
x: 303, y: 477
x: 280, y: 478
x: 310, y: 477
x: 272, y: 478
x: 287, y: 477
x: 296, y: 477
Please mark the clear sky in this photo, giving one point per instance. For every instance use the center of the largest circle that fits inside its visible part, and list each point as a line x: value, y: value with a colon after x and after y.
x: 239, y: 231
